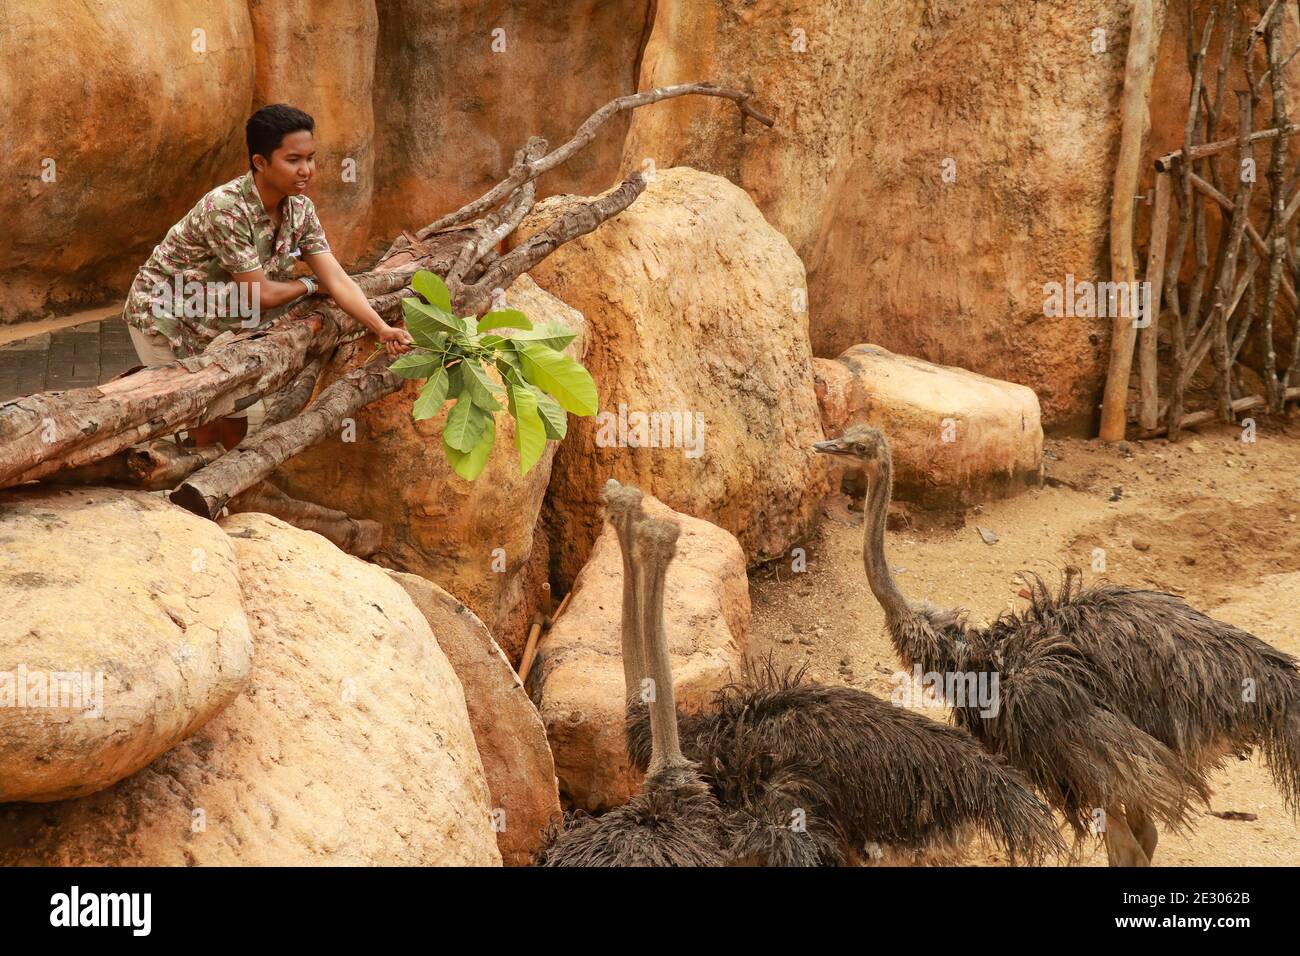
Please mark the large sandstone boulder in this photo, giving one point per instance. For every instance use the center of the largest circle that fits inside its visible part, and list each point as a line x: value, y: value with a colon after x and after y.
x: 507, y: 728
x: 700, y: 354
x: 477, y: 538
x: 83, y: 204
x: 956, y: 437
x: 350, y: 746
x: 580, y: 669
x: 873, y: 105
x: 122, y: 634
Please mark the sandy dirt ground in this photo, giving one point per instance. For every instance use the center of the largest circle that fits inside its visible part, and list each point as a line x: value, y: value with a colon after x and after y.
x: 1211, y: 518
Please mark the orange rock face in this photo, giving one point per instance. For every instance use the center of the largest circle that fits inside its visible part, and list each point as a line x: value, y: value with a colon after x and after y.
x: 419, y: 107
x: 337, y: 38
x: 459, y: 86
x: 132, y: 114
x: 934, y: 165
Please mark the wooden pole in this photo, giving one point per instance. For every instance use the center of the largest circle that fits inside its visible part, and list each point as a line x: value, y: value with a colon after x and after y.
x: 1134, y: 122
x: 530, y: 648
x: 1148, y: 390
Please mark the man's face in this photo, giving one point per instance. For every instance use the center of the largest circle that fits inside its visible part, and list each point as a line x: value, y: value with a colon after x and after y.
x: 292, y: 165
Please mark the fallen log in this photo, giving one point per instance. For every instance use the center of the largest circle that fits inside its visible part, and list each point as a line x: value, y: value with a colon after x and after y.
x: 50, y: 432
x: 206, y: 492
x: 360, y: 537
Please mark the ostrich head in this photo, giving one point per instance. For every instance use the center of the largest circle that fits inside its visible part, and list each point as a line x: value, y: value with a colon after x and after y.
x: 868, y: 451
x: 862, y: 443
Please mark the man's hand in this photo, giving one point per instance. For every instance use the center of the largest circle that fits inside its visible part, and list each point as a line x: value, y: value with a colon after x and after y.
x: 395, y: 341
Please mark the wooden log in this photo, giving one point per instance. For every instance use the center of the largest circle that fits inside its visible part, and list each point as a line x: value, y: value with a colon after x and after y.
x: 360, y: 537
x: 46, y: 433
x: 1169, y: 161
x: 559, y: 610
x: 1135, y: 121
x: 1149, y: 405
x: 530, y: 647
x: 1192, y: 419
x: 525, y: 172
x: 1217, y: 323
x: 206, y: 491
x: 1191, y: 216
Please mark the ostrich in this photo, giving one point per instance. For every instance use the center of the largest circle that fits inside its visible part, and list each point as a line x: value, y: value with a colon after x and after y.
x: 804, y: 770
x: 1116, y: 702
x: 674, y: 819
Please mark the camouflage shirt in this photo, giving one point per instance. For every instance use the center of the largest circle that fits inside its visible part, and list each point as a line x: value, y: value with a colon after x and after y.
x: 184, y: 291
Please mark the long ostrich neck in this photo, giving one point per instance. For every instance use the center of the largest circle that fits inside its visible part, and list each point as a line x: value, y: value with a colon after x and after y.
x: 634, y: 665
x: 873, y: 547
x: 665, y: 747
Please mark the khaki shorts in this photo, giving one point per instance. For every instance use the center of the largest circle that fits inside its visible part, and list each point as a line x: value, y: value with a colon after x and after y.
x: 154, y: 349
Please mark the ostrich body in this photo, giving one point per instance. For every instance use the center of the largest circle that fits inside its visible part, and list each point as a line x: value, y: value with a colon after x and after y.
x: 804, y: 770
x: 1116, y: 702
x: 674, y: 819
x: 851, y: 770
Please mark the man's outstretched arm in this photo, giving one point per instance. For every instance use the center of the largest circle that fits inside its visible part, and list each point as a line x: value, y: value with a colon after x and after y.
x: 352, y: 300
x: 272, y: 293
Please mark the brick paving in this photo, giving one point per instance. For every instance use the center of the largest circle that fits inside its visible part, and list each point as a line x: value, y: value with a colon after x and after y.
x: 73, y: 357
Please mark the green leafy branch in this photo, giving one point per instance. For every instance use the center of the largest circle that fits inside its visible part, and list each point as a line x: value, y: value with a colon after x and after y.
x: 452, y: 354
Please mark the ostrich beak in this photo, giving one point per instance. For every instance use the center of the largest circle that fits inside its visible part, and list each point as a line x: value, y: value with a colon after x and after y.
x: 831, y: 447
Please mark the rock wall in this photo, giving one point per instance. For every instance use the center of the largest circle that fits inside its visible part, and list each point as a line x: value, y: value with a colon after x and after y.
x: 141, y: 109
x: 1007, y: 96
x: 934, y: 163
x: 103, y: 151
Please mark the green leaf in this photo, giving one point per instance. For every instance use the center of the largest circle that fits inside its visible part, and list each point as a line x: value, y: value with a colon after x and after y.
x: 553, y: 335
x: 492, y: 341
x: 564, y: 378
x: 429, y: 320
x: 434, y: 290
x: 432, y: 396
x: 470, y: 323
x: 508, y: 364
x: 416, y: 365
x: 554, y: 420
x: 504, y: 318
x: 530, y: 435
x: 481, y: 389
x: 465, y: 425
x: 470, y: 465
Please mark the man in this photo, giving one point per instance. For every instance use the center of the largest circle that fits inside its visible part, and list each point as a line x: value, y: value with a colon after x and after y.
x: 229, y: 263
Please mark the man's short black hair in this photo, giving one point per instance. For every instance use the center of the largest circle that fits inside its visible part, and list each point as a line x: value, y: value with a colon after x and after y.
x: 267, y: 128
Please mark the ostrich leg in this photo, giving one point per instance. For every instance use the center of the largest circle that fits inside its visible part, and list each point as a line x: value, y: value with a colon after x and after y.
x: 656, y: 542
x: 1144, y: 830
x: 1122, y: 847
x: 623, y: 507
